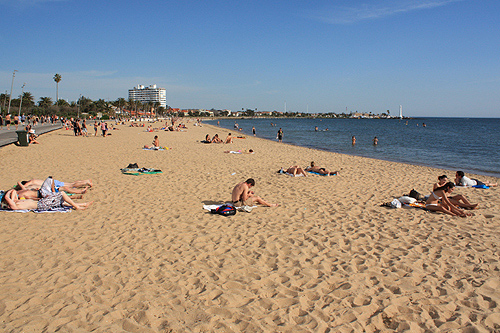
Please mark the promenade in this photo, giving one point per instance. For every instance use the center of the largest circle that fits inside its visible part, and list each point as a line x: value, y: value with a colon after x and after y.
x: 8, y: 137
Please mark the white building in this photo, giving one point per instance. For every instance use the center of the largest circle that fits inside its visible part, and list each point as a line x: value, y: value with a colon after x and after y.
x: 148, y: 94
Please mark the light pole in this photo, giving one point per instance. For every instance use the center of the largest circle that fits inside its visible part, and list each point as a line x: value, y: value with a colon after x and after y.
x: 11, y: 86
x: 79, y: 101
x: 21, y: 102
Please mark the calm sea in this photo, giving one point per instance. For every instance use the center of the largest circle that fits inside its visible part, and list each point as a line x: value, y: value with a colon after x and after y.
x: 468, y: 144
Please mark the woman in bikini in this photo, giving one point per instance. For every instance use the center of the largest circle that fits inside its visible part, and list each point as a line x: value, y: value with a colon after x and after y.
x: 438, y: 201
x: 458, y: 200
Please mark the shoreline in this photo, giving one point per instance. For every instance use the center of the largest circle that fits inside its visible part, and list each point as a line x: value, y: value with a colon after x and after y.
x: 147, y: 257
x: 478, y: 170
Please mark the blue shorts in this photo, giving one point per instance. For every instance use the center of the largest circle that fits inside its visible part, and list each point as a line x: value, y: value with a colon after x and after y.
x: 58, y: 184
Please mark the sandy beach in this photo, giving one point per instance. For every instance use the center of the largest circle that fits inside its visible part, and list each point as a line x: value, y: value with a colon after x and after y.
x: 146, y: 257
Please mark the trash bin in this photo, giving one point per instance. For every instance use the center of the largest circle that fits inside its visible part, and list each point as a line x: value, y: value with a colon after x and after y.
x: 22, y: 137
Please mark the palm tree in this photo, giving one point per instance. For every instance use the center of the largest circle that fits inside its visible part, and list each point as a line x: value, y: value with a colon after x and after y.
x: 57, y: 78
x: 45, y: 102
x: 28, y: 99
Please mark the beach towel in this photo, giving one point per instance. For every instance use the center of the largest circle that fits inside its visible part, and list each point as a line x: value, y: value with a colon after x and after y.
x: 156, y: 148
x: 247, y: 209
x: 140, y: 171
x: 321, y: 174
x: 65, y: 209
x: 282, y: 172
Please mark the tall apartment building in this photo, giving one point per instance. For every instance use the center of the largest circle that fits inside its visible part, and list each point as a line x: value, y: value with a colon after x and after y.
x: 148, y: 94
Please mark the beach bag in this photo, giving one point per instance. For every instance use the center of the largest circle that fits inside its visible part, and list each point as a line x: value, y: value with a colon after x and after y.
x: 415, y: 194
x: 225, y: 210
x: 132, y: 166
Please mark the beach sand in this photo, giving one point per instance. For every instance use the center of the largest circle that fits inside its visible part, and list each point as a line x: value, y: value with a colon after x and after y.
x: 146, y: 257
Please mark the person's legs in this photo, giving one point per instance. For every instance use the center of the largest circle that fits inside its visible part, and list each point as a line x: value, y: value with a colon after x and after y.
x: 261, y: 201
x: 461, y: 201
x: 78, y: 206
x: 439, y: 209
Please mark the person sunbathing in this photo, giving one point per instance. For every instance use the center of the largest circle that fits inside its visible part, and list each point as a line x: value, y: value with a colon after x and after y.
x: 295, y: 171
x: 156, y: 143
x: 438, y: 201
x: 459, y: 199
x: 77, y: 187
x: 11, y: 200
x: 229, y: 138
x: 461, y: 180
x: 321, y: 171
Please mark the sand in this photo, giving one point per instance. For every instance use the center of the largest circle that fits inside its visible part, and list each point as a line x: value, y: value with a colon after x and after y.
x: 145, y: 257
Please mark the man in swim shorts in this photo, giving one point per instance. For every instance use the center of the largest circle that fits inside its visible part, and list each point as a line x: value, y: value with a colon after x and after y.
x: 242, y: 196
x: 12, y: 201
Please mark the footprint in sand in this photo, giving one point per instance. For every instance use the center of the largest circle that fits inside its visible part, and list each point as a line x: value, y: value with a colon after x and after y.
x: 488, y: 216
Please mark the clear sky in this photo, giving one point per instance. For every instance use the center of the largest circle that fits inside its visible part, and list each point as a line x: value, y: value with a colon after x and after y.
x: 434, y: 57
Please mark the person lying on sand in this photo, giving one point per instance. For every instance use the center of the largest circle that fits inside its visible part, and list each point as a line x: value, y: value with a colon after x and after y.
x: 156, y: 143
x: 68, y: 187
x: 438, y: 201
x: 294, y: 171
x: 458, y: 200
x: 11, y: 200
x: 250, y: 151
x: 321, y: 171
x: 242, y: 196
x: 461, y: 180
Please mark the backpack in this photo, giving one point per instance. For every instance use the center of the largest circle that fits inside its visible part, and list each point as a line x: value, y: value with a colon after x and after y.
x: 225, y: 210
x: 415, y: 194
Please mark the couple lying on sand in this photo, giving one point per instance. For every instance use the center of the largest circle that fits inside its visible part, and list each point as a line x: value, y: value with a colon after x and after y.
x: 44, y: 195
x: 295, y: 170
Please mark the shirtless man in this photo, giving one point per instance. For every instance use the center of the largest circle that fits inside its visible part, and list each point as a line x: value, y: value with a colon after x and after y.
x: 321, y: 171
x: 12, y: 201
x: 156, y: 143
x: 229, y: 138
x: 242, y: 196
x: 7, y: 121
x: 74, y: 187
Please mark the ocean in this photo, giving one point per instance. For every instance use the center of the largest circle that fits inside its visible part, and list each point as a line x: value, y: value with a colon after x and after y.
x: 468, y: 144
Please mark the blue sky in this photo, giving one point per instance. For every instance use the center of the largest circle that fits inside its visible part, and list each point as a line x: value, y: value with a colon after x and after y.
x: 434, y: 57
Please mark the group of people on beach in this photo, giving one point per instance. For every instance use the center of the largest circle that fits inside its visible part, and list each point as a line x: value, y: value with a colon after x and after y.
x: 295, y: 170
x: 442, y: 200
x: 216, y: 139
x: 45, y: 195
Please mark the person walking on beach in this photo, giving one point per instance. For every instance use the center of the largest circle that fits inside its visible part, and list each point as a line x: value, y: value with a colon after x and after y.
x: 242, y: 196
x: 253, y: 130
x: 7, y: 121
x: 280, y: 135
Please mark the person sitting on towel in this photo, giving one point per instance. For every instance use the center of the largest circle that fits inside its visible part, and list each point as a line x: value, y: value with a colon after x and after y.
x: 242, y: 196
x: 156, y: 144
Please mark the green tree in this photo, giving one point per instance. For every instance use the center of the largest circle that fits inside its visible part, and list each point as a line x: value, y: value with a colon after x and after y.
x: 45, y: 102
x: 28, y: 100
x: 57, y: 79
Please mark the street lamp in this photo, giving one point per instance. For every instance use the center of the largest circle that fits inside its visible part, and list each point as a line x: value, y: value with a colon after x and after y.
x: 21, y: 103
x: 79, y: 101
x: 11, y: 86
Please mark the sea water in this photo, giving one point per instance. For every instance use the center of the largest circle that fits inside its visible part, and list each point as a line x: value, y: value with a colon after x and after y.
x: 468, y: 144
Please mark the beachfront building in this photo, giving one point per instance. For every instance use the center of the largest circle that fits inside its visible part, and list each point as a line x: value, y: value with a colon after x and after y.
x: 148, y: 94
